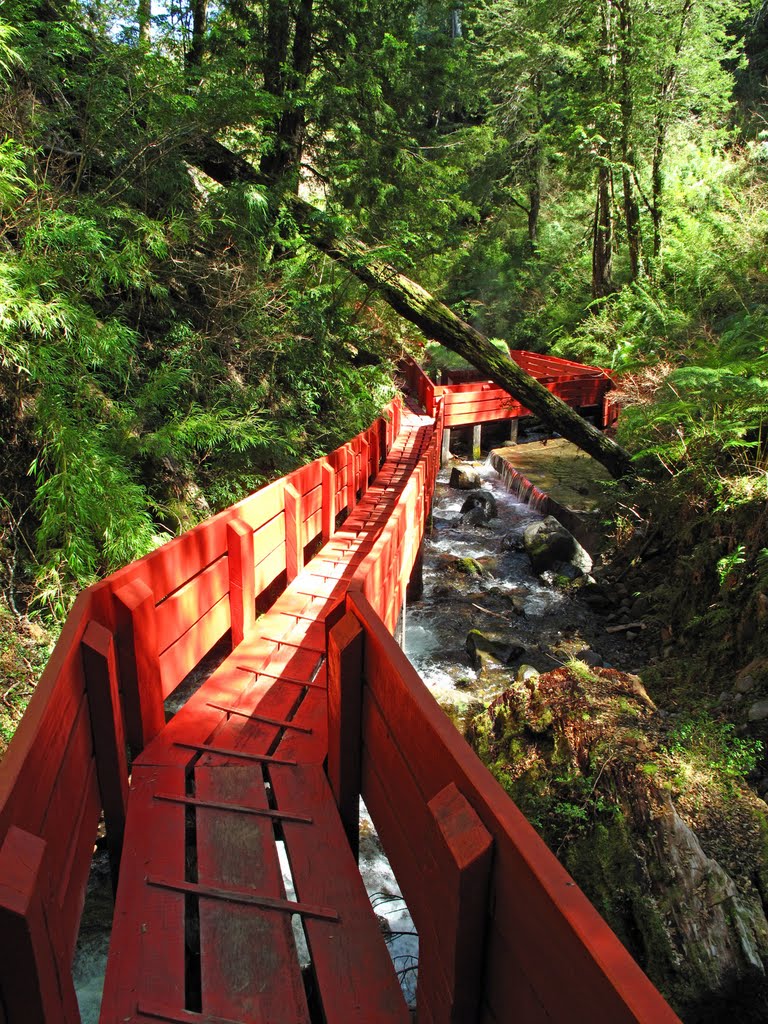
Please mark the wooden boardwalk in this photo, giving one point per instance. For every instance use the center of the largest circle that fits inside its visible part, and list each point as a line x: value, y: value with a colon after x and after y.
x: 233, y: 827
x: 244, y: 757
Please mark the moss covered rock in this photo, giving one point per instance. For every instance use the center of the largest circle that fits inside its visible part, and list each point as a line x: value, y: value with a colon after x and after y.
x: 653, y: 819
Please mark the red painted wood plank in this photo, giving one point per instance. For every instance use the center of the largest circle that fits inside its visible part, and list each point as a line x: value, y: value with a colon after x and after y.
x: 30, y: 766
x: 345, y: 695
x: 100, y: 670
x: 328, y: 500
x: 269, y: 568
x: 191, y: 648
x: 305, y: 478
x: 248, y: 957
x: 146, y: 957
x: 74, y: 877
x: 140, y: 675
x: 182, y: 609
x: 35, y: 987
x: 356, y: 979
x: 168, y: 568
x: 252, y: 735
x: 66, y: 793
x: 242, y: 592
x: 454, y: 967
x: 589, y: 948
x: 312, y: 714
x: 506, y: 985
x: 294, y: 540
x: 198, y: 721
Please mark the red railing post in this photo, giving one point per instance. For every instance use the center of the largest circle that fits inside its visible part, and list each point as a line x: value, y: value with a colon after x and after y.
x: 242, y: 582
x: 375, y: 450
x: 345, y: 693
x: 365, y: 466
x: 451, y: 950
x: 34, y: 988
x: 294, y: 541
x: 100, y: 670
x: 351, y: 477
x: 139, y: 663
x: 328, y: 479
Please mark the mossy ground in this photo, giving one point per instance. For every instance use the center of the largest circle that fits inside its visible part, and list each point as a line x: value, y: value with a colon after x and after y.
x: 24, y: 649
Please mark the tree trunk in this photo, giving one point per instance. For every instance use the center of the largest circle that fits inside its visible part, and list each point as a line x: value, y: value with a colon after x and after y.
x: 144, y: 16
x: 285, y: 155
x: 667, y: 90
x: 199, y: 23
x: 431, y: 316
x: 626, y: 104
x: 602, y: 237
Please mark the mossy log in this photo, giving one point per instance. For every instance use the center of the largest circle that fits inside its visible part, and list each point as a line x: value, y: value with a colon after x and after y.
x: 421, y: 308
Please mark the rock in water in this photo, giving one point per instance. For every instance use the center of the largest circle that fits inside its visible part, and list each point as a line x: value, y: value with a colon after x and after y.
x: 464, y: 479
x: 548, y: 543
x: 482, y: 646
x: 483, y: 500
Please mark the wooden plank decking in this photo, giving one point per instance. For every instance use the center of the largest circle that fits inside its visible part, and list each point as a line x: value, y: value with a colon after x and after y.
x: 230, y: 791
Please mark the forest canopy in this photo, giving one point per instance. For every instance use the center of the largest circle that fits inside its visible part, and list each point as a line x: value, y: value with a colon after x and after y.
x: 588, y: 181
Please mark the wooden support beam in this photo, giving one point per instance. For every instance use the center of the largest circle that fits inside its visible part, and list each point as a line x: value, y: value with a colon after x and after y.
x: 345, y: 697
x: 445, y: 451
x: 242, y: 582
x: 328, y: 480
x: 294, y: 541
x: 451, y: 961
x: 34, y: 988
x: 477, y: 441
x: 139, y: 663
x: 415, y: 588
x: 100, y: 670
x: 514, y: 426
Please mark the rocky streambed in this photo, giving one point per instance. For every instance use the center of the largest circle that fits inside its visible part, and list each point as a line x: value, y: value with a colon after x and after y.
x: 539, y: 657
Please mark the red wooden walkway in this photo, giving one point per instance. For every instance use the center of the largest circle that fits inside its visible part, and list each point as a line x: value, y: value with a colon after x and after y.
x: 264, y: 765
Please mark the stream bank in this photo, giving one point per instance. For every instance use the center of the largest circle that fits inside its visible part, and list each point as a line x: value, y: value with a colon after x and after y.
x: 644, y: 800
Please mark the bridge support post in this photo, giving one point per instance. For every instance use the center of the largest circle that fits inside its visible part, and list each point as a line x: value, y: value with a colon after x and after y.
x: 34, y: 987
x: 514, y: 426
x: 139, y: 663
x: 100, y: 671
x: 294, y: 541
x: 415, y: 588
x: 477, y: 441
x: 242, y: 584
x: 451, y: 948
x: 445, y: 451
x: 345, y: 708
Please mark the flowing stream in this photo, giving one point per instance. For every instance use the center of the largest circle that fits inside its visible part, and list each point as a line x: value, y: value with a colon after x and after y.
x: 479, y: 577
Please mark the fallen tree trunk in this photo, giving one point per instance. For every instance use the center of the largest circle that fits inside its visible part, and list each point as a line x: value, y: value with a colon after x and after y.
x: 417, y: 305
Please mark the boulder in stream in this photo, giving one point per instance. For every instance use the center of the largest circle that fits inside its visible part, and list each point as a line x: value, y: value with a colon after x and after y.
x: 548, y: 542
x: 464, y: 478
x: 484, y: 501
x: 482, y: 647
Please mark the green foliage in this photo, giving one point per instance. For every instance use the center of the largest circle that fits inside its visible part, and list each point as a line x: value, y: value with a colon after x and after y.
x: 700, y: 744
x: 156, y: 363
x: 728, y: 563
